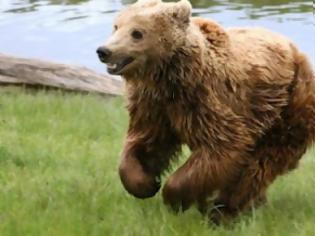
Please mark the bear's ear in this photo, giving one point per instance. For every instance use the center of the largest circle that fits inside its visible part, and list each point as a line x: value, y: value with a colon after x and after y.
x: 181, y: 11
x: 145, y: 3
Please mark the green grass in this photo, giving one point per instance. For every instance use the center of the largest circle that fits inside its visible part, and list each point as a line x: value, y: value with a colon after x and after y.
x: 58, y: 176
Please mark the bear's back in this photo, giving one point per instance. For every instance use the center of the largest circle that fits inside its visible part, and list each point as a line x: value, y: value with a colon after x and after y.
x: 261, y: 49
x: 257, y: 64
x: 249, y: 53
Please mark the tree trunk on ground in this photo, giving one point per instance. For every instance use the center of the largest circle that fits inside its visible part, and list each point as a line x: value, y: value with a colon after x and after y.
x: 15, y: 70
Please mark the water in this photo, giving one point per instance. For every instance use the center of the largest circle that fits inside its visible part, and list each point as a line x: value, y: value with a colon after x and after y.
x: 69, y: 31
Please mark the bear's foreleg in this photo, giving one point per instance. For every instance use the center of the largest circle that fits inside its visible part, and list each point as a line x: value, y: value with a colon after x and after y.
x: 195, y: 181
x: 143, y: 160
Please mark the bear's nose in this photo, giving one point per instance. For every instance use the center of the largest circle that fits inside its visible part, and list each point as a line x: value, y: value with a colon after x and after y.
x: 103, y: 53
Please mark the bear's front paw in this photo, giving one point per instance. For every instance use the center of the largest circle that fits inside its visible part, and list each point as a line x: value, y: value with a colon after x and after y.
x: 176, y: 195
x: 136, y: 180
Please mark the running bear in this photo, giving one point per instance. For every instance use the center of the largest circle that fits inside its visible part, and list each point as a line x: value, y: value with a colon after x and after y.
x: 241, y: 99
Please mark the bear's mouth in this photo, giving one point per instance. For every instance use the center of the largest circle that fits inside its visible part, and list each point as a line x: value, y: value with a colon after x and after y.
x: 117, y: 68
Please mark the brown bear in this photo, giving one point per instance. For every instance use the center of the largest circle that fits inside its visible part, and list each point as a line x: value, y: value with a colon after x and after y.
x: 241, y: 99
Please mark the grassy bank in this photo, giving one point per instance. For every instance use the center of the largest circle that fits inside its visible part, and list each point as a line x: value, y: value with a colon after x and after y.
x: 58, y: 160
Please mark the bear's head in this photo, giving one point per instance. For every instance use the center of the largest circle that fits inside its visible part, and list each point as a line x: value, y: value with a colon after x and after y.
x: 144, y: 34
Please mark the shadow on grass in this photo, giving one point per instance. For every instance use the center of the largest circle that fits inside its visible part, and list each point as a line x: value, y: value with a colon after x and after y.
x: 7, y: 157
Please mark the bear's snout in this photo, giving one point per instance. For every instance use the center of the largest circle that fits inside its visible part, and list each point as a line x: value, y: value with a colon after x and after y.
x: 103, y: 53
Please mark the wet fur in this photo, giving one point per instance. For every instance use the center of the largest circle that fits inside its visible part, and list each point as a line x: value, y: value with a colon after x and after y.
x: 243, y: 100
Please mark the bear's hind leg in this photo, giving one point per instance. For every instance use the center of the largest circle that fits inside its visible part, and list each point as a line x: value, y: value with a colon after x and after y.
x: 278, y: 152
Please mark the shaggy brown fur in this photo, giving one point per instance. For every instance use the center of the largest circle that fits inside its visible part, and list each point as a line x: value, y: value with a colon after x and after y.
x: 242, y: 99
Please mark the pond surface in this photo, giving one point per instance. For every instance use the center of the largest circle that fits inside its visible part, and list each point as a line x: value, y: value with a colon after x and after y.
x: 70, y: 30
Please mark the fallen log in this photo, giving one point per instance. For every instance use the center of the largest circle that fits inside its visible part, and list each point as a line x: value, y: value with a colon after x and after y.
x: 14, y: 70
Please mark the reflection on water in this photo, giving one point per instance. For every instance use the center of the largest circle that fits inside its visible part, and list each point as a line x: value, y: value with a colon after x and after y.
x: 70, y: 30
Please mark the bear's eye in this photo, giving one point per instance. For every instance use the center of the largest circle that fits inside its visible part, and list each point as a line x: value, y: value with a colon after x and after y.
x: 115, y: 27
x: 136, y: 34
